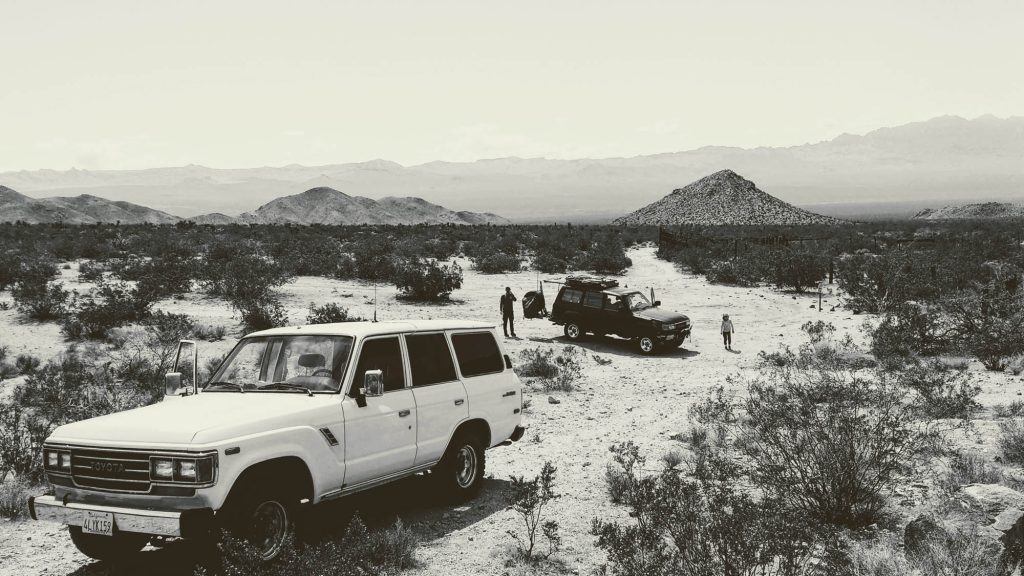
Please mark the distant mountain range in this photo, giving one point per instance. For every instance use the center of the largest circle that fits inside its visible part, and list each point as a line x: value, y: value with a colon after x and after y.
x: 315, y: 206
x: 982, y: 211
x: 723, y: 198
x: 940, y: 161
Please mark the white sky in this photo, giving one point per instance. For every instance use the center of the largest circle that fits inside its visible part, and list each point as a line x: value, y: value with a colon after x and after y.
x: 132, y: 84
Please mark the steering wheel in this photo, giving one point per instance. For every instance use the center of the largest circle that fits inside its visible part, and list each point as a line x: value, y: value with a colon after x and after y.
x: 322, y: 372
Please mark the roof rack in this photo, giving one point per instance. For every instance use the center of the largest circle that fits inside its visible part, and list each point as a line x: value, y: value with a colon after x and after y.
x: 587, y: 281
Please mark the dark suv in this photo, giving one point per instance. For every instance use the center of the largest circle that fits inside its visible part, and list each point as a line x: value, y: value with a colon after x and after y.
x: 598, y: 305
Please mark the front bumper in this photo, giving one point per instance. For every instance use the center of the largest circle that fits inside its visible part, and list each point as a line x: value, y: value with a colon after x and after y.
x: 185, y: 524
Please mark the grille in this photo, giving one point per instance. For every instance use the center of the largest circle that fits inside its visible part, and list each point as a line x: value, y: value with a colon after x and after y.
x: 114, y: 470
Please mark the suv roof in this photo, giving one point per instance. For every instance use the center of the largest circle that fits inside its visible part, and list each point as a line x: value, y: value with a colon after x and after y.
x: 362, y: 329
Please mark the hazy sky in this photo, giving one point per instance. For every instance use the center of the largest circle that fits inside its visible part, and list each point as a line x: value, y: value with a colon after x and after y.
x: 131, y: 84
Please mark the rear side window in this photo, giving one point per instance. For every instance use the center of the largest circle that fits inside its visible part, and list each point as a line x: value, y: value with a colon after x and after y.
x: 477, y: 353
x: 429, y: 359
x: 593, y: 299
x: 572, y: 296
x: 384, y: 354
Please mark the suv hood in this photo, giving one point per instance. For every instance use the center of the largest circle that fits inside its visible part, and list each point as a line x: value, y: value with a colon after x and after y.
x: 660, y: 315
x: 202, y: 418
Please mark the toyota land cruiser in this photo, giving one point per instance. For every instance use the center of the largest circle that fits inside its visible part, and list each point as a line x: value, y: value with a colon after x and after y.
x: 292, y: 417
x: 598, y: 305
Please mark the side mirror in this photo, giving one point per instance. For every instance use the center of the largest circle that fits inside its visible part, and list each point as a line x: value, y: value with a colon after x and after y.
x: 184, y: 373
x: 657, y: 303
x: 373, y: 383
x: 172, y: 383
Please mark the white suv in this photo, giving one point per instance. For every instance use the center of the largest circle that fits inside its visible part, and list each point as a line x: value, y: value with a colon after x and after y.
x: 293, y: 416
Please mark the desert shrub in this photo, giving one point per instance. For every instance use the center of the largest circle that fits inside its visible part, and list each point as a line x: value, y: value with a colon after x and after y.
x: 607, y: 256
x: 536, y: 363
x: 827, y: 444
x: 109, y: 305
x: 967, y: 468
x: 799, y: 270
x: 1015, y: 408
x: 209, y: 333
x: 374, y: 257
x: 876, y: 558
x: 35, y: 295
x: 529, y: 498
x: 329, y: 313
x: 26, y: 363
x: 261, y: 314
x: 359, y: 552
x: 736, y: 272
x: 428, y: 280
x: 622, y: 474
x: 14, y: 493
x: 943, y: 393
x: 1011, y: 440
x: 818, y: 332
x: 877, y: 283
x: 958, y: 553
x: 988, y: 319
x: 909, y: 329
x: 497, y: 263
x: 701, y: 521
x: 549, y: 263
x: 21, y: 443
x: 90, y: 271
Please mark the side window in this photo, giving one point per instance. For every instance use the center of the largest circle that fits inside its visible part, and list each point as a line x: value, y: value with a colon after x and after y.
x: 429, y: 359
x: 477, y: 353
x: 384, y: 354
x: 613, y: 303
x: 592, y: 299
x: 572, y: 296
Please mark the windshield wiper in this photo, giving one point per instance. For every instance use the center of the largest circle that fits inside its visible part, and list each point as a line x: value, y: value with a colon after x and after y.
x: 226, y: 384
x: 287, y: 386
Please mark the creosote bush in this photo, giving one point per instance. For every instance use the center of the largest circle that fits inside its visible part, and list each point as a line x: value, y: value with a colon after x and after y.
x: 556, y: 373
x: 428, y: 280
x: 329, y: 313
x: 529, y: 498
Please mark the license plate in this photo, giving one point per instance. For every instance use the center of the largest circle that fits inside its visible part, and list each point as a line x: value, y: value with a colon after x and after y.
x: 98, y: 523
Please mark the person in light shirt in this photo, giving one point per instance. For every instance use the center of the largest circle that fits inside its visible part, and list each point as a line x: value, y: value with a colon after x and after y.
x: 727, y: 331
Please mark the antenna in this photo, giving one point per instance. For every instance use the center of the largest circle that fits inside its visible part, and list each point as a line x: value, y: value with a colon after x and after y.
x: 374, y: 300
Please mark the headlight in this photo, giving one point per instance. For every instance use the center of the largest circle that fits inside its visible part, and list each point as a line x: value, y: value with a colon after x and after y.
x: 162, y: 468
x: 56, y: 460
x: 198, y: 470
x: 667, y: 327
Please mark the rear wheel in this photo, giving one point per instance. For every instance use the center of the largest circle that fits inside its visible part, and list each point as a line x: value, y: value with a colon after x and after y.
x: 461, y: 471
x: 120, y: 546
x: 646, y: 345
x: 573, y: 331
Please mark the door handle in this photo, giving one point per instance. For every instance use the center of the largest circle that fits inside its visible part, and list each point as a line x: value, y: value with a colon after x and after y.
x: 403, y: 413
x: 509, y: 393
x: 459, y: 402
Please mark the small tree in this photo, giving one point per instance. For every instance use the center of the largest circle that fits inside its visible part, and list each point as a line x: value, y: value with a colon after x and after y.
x: 329, y: 313
x: 33, y: 292
x: 529, y: 498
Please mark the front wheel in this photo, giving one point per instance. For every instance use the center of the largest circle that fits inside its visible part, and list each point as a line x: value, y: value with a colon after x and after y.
x: 461, y: 471
x: 573, y: 331
x: 120, y: 546
x: 265, y: 518
x: 646, y: 345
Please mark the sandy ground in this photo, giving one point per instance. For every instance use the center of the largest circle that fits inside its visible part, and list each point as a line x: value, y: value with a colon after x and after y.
x: 644, y: 399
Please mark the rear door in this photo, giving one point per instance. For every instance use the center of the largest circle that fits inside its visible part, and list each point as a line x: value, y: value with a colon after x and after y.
x: 495, y: 393
x: 440, y: 396
x: 380, y: 438
x: 593, y: 317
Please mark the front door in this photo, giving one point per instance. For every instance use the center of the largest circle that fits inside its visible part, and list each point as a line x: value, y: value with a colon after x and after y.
x: 441, y: 401
x: 617, y: 317
x: 380, y: 438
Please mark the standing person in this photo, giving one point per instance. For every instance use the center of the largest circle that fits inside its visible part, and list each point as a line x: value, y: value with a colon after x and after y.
x: 727, y: 331
x: 508, y: 312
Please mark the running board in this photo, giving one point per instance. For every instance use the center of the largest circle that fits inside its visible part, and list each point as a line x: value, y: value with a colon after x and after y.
x: 346, y: 490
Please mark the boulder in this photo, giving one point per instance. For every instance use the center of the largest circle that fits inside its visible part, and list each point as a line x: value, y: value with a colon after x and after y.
x: 999, y: 511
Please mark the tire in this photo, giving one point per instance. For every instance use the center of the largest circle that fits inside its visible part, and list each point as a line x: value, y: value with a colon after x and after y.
x: 265, y: 517
x: 646, y: 345
x: 461, y: 471
x: 573, y: 331
x: 121, y: 546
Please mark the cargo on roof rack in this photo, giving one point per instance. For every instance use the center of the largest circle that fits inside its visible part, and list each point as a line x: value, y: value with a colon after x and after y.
x: 587, y: 281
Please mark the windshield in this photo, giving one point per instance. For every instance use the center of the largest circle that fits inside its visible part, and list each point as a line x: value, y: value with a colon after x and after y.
x: 283, y: 364
x: 637, y: 301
